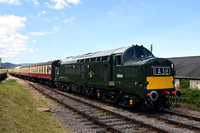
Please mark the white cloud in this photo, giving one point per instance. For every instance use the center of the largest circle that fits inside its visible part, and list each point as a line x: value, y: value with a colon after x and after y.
x: 11, y: 42
x: 55, y: 28
x: 75, y: 2
x: 111, y: 13
x: 30, y: 50
x: 61, y: 4
x: 46, y: 19
x: 35, y: 2
x: 40, y: 13
x: 40, y: 33
x: 142, y: 3
x: 12, y: 2
x: 56, y: 17
x: 34, y: 41
x: 69, y: 20
x: 43, y: 33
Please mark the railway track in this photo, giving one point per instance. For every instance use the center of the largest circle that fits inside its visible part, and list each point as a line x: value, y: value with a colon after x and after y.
x: 181, y: 114
x: 111, y: 121
x: 115, y: 122
x: 175, y: 122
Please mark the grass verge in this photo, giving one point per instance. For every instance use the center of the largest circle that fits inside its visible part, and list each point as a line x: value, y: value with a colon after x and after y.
x: 19, y: 111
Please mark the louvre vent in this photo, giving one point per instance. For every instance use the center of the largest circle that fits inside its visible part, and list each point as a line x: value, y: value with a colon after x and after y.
x: 130, y: 72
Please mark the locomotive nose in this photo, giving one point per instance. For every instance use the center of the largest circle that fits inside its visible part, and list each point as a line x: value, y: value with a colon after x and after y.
x: 158, y: 62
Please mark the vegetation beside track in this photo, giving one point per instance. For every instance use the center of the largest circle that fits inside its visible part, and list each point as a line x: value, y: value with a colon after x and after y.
x: 19, y: 111
x: 190, y: 97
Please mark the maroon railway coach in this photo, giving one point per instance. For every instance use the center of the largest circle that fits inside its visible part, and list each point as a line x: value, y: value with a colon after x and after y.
x: 41, y: 72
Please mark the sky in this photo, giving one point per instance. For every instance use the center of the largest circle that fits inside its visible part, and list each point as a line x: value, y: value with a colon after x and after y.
x: 33, y: 31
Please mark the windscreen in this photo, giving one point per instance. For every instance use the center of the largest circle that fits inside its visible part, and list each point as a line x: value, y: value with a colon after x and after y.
x: 137, y: 52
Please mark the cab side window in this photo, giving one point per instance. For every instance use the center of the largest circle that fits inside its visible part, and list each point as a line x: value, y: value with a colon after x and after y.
x: 118, y: 60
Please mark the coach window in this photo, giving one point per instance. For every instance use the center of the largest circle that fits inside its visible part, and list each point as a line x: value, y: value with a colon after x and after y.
x: 45, y: 68
x: 118, y: 60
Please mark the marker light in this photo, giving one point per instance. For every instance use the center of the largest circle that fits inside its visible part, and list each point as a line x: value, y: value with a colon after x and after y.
x: 131, y: 102
x: 173, y: 93
x: 166, y: 92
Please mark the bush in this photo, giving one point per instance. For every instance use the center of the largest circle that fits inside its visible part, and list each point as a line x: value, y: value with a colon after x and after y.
x: 191, y: 96
x: 184, y: 84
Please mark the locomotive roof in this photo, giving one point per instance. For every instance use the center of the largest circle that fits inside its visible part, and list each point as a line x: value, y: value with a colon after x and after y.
x: 74, y: 59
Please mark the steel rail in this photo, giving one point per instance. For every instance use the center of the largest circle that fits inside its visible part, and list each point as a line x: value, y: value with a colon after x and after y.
x: 91, y: 119
x: 132, y: 121
x: 179, y: 124
x: 182, y: 115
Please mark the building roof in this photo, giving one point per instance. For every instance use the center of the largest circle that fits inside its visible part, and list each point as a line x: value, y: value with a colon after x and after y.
x: 187, y: 67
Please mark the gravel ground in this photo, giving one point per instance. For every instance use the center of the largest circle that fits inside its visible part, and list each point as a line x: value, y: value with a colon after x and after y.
x: 76, y: 123
x: 70, y: 120
x: 192, y: 112
x: 154, y: 122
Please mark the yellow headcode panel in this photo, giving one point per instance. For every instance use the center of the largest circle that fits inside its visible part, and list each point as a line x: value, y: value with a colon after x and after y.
x: 161, y: 82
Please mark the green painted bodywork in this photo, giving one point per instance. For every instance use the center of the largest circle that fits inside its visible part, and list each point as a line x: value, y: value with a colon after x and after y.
x: 129, y: 77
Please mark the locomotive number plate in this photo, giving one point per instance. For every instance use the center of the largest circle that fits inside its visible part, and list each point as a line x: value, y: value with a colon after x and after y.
x: 161, y: 71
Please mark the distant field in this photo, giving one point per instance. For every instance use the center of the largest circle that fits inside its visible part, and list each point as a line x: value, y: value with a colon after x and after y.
x: 19, y: 111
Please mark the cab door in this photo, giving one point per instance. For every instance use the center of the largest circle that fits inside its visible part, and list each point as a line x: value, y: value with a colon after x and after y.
x: 118, y: 71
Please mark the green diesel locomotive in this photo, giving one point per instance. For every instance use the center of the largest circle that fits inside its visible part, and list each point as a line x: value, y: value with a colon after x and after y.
x: 129, y: 76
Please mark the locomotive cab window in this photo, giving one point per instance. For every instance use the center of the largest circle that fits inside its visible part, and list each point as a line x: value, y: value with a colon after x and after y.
x: 137, y: 52
x: 118, y: 60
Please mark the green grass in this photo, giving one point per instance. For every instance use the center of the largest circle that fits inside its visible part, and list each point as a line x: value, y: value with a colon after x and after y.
x: 190, y: 96
x: 19, y: 114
